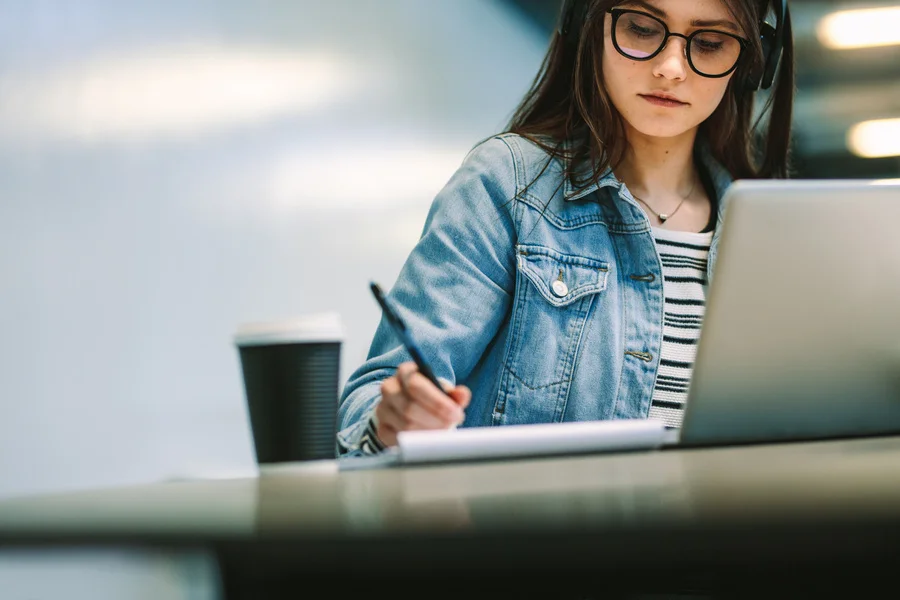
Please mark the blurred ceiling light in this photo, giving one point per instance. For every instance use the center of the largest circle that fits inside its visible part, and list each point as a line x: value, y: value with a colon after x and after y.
x: 177, y: 91
x: 875, y: 139
x: 863, y: 28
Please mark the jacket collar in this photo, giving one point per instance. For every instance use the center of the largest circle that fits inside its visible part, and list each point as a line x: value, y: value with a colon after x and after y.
x: 720, y: 177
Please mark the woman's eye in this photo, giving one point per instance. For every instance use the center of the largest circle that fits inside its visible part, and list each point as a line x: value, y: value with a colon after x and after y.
x: 707, y: 46
x: 642, y: 31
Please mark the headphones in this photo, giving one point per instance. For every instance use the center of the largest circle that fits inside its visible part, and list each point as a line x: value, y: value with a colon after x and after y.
x: 771, y: 36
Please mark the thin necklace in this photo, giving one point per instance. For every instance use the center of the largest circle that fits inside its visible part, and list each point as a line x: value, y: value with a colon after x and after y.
x: 663, y: 217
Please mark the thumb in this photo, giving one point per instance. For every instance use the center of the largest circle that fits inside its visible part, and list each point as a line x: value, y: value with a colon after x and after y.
x: 461, y: 395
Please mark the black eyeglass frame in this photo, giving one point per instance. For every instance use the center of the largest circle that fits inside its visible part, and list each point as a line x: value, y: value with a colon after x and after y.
x: 618, y: 12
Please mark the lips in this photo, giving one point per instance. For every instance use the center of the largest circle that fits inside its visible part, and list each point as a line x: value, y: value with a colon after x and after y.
x: 663, y: 100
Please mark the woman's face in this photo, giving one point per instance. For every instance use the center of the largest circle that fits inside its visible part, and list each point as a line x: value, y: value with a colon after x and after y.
x: 632, y: 85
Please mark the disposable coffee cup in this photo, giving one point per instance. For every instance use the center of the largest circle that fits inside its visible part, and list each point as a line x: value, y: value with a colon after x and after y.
x: 290, y: 370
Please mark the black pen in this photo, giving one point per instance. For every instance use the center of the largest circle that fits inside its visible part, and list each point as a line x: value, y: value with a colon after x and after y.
x: 403, y: 333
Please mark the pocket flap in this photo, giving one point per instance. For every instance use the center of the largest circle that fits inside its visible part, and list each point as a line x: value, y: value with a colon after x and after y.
x: 561, y: 278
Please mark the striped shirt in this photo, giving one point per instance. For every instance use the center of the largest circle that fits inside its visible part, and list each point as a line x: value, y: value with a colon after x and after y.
x: 684, y: 259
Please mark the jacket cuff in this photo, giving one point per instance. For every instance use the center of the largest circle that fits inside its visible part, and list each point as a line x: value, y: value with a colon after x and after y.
x: 361, y: 438
x: 369, y: 442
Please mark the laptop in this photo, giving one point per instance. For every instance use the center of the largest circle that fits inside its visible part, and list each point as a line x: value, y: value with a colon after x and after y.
x: 801, y: 338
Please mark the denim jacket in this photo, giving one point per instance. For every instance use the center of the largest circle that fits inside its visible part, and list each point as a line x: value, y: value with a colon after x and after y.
x: 480, y: 293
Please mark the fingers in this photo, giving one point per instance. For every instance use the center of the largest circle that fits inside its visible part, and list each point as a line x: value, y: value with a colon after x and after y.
x: 400, y: 413
x: 409, y: 401
x: 427, y: 402
x: 461, y: 395
x: 390, y: 409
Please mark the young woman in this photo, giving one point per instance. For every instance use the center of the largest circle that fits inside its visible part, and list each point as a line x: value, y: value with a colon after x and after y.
x: 561, y: 274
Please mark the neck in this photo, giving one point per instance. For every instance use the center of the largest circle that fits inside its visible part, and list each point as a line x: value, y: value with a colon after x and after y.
x: 659, y: 167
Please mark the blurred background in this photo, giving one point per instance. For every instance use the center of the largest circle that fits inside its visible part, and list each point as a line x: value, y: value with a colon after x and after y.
x: 847, y: 110
x: 171, y: 170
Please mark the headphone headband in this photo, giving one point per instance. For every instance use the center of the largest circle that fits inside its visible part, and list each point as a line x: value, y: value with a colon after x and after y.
x: 572, y: 11
x: 771, y: 32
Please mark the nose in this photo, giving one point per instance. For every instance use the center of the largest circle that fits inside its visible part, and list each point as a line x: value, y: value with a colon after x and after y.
x: 671, y: 63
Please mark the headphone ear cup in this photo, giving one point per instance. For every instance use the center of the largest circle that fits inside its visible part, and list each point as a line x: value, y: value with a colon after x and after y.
x: 772, y: 56
x: 754, y: 78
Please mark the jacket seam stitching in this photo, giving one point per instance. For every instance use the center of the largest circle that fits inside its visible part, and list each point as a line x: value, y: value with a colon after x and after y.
x: 535, y: 388
x: 502, y: 399
x: 571, y: 359
x: 623, y: 300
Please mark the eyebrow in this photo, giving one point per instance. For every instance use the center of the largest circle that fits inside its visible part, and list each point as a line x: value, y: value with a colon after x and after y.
x: 694, y: 23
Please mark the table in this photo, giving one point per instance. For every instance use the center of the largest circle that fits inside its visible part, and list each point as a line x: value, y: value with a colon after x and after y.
x: 778, y: 520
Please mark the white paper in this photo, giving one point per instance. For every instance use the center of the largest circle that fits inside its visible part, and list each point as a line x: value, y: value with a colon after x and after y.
x: 529, y: 440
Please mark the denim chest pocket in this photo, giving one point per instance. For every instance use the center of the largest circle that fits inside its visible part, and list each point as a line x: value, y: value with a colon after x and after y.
x: 554, y: 297
x: 561, y: 278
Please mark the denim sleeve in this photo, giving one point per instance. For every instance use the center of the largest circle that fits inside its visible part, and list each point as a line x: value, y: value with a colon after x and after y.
x: 454, y: 289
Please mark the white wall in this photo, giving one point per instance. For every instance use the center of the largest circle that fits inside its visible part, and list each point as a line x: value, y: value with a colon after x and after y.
x: 171, y: 169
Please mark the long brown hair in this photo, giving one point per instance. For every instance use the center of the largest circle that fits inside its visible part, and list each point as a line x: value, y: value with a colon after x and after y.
x: 568, y: 113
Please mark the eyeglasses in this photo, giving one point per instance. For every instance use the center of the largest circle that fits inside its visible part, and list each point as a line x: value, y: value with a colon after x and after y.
x: 710, y: 53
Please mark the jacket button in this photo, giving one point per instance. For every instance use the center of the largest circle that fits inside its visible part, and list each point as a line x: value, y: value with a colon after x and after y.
x: 560, y: 288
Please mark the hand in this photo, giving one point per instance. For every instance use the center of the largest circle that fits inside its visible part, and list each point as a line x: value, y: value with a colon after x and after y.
x: 410, y: 402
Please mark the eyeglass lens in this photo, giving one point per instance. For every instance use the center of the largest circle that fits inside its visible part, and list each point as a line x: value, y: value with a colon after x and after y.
x: 640, y: 36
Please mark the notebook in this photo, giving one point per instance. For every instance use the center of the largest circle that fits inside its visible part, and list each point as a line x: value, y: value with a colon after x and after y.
x: 516, y: 441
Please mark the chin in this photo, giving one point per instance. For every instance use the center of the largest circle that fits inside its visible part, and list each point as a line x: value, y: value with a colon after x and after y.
x: 653, y: 124
x: 662, y: 130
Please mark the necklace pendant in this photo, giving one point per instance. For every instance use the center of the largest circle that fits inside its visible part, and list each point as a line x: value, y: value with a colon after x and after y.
x: 663, y: 218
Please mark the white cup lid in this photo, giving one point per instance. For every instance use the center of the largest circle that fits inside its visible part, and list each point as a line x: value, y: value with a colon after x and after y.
x: 322, y: 327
